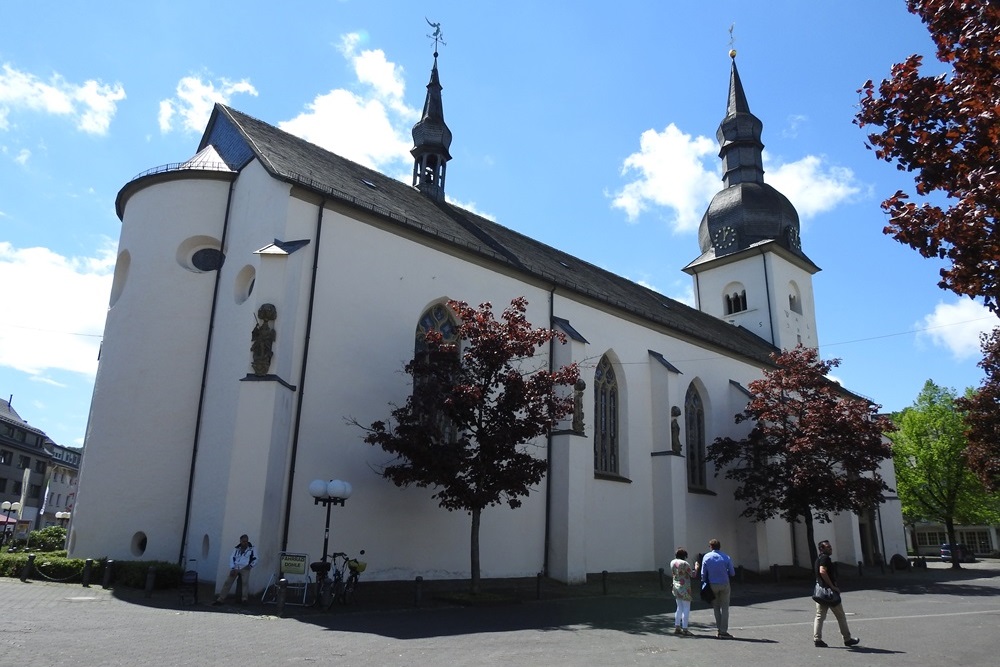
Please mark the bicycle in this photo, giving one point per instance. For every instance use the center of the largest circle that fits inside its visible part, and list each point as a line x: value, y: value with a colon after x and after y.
x: 332, y: 586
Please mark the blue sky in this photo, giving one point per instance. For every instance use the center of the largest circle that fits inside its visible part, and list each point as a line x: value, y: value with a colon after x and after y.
x: 588, y: 126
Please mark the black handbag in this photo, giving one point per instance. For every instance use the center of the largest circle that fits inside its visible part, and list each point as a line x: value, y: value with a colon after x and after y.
x: 824, y: 595
x: 707, y: 594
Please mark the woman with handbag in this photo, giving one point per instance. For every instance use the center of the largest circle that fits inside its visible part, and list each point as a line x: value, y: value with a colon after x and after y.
x: 681, y: 573
x: 828, y: 599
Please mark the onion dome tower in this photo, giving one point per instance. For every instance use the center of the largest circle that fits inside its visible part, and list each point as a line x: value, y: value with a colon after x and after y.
x: 752, y: 271
x: 431, y: 141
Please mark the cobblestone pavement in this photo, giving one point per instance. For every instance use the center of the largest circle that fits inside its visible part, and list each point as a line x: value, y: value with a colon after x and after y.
x: 923, y: 617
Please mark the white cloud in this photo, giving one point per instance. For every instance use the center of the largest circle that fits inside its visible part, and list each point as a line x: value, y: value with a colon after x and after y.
x: 370, y: 126
x: 61, y: 303
x: 677, y: 172
x: 672, y: 174
x: 470, y: 207
x: 956, y: 327
x: 91, y: 104
x: 812, y: 186
x: 23, y: 156
x: 194, y: 101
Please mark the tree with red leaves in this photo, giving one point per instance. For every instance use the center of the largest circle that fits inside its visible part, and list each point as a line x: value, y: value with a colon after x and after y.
x: 946, y: 129
x: 982, y: 417
x: 475, y: 405
x: 813, y: 450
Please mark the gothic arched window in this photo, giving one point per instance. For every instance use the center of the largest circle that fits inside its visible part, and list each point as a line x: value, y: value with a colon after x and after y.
x: 436, y: 318
x: 694, y: 419
x: 606, y: 418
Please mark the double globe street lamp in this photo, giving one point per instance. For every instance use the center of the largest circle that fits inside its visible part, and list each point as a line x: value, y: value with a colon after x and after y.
x: 334, y: 492
x: 8, y: 507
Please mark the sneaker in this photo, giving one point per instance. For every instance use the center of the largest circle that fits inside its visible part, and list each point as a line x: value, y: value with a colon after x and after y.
x: 821, y: 644
x: 687, y: 633
x: 725, y: 635
x: 678, y: 631
x: 853, y: 641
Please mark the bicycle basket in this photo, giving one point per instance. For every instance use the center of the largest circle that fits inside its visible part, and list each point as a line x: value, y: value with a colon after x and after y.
x: 356, y: 566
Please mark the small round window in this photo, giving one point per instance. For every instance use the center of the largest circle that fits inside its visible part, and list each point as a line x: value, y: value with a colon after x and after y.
x: 207, y: 259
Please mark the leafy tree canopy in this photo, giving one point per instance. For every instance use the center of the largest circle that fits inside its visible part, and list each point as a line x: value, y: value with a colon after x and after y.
x: 945, y: 128
x: 814, y: 449
x: 982, y: 417
x: 932, y: 478
x: 474, y: 407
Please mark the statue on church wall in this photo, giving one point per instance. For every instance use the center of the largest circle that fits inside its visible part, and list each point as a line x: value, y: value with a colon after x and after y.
x: 675, y: 430
x: 262, y: 339
x: 578, y: 425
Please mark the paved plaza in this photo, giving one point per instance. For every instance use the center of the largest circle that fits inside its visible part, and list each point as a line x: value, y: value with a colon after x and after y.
x: 926, y: 618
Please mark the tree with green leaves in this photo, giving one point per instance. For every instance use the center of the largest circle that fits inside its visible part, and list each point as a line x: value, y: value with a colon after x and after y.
x: 814, y: 449
x: 476, y: 405
x: 933, y: 480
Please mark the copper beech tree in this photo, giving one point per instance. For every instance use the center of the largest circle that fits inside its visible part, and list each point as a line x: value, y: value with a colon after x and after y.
x: 813, y: 450
x: 982, y: 417
x: 945, y: 129
x: 476, y: 404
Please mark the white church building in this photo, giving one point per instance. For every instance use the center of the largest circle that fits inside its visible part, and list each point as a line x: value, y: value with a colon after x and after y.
x: 194, y: 438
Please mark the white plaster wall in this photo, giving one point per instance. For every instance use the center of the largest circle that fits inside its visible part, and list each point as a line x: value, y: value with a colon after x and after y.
x: 141, y: 428
x: 789, y: 325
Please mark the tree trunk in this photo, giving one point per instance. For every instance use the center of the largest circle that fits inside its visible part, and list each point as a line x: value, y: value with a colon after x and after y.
x: 949, y: 526
x: 474, y: 550
x: 811, y: 537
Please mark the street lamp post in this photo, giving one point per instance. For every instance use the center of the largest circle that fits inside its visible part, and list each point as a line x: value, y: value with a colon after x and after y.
x: 8, y: 507
x: 63, y: 518
x: 327, y: 494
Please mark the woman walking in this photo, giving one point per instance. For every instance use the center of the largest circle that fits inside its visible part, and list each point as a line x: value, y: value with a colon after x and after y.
x: 681, y: 572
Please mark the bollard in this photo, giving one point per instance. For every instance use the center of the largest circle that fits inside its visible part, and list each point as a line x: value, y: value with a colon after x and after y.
x: 109, y: 565
x: 661, y: 578
x: 28, y: 568
x: 418, y: 591
x: 861, y: 569
x: 604, y: 581
x: 282, y: 593
x: 88, y: 566
x: 150, y: 581
x: 739, y: 574
x: 774, y: 572
x: 538, y: 586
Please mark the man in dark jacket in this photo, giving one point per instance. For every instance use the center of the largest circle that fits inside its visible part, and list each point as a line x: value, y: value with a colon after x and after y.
x: 826, y: 574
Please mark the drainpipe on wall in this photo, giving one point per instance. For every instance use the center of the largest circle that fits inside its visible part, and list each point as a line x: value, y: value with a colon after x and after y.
x: 302, y: 381
x: 204, y: 379
x: 548, y: 447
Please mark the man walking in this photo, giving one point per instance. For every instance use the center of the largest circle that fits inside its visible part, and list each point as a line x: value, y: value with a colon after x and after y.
x: 716, y: 569
x: 826, y: 574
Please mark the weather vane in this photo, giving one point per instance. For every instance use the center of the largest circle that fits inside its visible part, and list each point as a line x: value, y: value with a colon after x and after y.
x: 436, y: 35
x: 732, y: 41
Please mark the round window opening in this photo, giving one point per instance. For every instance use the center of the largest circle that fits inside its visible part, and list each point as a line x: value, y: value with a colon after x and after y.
x: 207, y: 259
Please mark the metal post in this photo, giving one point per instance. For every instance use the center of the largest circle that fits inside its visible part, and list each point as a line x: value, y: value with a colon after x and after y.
x: 418, y: 591
x: 28, y: 568
x: 538, y: 586
x: 604, y: 581
x: 861, y: 569
x: 282, y: 594
x: 150, y: 581
x: 109, y: 565
x: 88, y: 566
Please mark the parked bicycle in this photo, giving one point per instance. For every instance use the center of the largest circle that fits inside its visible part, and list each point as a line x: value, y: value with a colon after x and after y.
x: 337, y: 582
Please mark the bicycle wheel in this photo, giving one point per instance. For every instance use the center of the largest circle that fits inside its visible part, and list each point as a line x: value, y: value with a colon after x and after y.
x: 336, y: 592
x: 349, y: 589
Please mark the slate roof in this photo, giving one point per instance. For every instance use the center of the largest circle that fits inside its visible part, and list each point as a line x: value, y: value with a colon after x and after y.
x: 238, y: 138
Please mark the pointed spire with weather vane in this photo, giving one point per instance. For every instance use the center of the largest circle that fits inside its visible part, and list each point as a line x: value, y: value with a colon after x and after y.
x: 431, y: 136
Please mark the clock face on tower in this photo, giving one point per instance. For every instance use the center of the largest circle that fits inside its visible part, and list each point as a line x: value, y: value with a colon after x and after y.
x: 724, y: 238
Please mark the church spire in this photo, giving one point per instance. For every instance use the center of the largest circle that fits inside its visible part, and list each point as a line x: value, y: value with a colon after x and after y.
x: 431, y: 136
x: 747, y: 211
x: 739, y: 136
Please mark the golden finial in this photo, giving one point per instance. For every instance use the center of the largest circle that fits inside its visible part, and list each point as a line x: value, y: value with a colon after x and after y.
x: 732, y: 41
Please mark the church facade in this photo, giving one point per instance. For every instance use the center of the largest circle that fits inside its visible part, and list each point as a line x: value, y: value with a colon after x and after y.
x: 268, y: 291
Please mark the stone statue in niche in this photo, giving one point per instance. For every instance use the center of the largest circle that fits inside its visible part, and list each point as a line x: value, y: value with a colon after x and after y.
x: 675, y: 430
x: 262, y: 339
x: 578, y: 388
